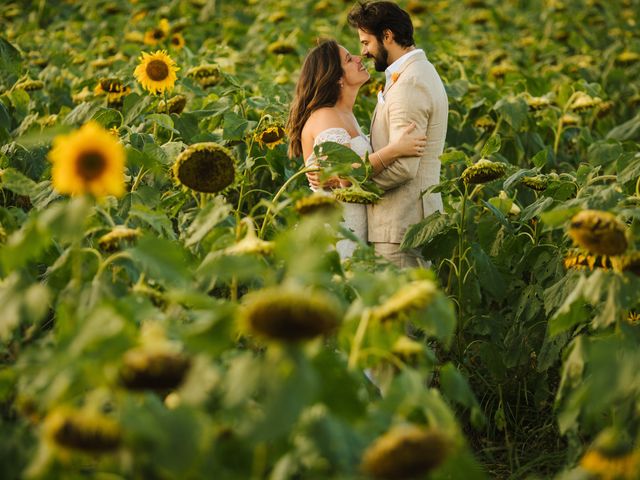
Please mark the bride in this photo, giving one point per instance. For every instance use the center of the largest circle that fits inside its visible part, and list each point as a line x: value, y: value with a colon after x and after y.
x: 322, y: 111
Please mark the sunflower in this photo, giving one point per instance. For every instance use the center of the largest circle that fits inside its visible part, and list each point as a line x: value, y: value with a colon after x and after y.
x: 355, y: 194
x: 407, y: 349
x: 604, y: 109
x: 175, y: 105
x: 416, y: 7
x: 598, y: 232
x: 582, y: 102
x: 316, y: 202
x: 627, y: 57
x: 177, y: 41
x: 538, y: 103
x: 412, y: 297
x: 270, y: 136
x: 290, y: 314
x: 580, y: 261
x: 119, y: 235
x: 277, y: 16
x: 538, y: 183
x: 29, y: 85
x: 570, y: 119
x: 406, y: 452
x: 86, y: 431
x: 481, y: 17
x: 153, y: 369
x: 611, y: 457
x: 88, y: 160
x: 499, y: 71
x: 158, y: 34
x: 109, y: 85
x: 205, y: 167
x: 484, y: 123
x: 628, y: 263
x: 483, y: 171
x: 251, y: 244
x: 206, y: 75
x: 281, y: 47
x: 156, y: 72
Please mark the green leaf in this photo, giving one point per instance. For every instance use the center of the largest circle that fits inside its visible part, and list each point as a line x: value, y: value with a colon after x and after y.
x: 134, y: 106
x: 604, y: 153
x: 453, y: 156
x: 16, y: 182
x: 631, y: 172
x: 557, y: 217
x: 157, y: 220
x: 208, y: 217
x: 107, y: 117
x: 629, y: 130
x: 235, y: 126
x: 162, y: 120
x: 514, y: 111
x: 492, y: 146
x: 10, y: 58
x: 541, y: 158
x: 20, y: 101
x: 426, y: 230
x: 5, y: 118
x: 571, y: 312
x: 488, y: 275
x: 456, y: 388
x: 515, y: 178
x: 163, y: 260
x: 81, y: 114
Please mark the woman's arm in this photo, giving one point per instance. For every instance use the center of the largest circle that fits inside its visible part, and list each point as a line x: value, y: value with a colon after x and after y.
x: 407, y: 145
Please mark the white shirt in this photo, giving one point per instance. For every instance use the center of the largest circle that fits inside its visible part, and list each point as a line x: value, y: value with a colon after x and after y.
x: 394, y: 67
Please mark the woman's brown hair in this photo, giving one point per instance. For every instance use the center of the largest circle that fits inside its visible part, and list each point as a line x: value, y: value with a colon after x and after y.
x: 317, y: 87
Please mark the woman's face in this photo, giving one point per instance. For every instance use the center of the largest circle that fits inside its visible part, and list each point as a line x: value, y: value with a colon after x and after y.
x: 355, y: 73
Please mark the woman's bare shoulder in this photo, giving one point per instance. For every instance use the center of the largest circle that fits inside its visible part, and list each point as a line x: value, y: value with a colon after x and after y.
x: 322, y: 119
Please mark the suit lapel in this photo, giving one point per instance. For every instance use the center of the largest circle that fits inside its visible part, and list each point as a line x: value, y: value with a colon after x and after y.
x: 414, y: 58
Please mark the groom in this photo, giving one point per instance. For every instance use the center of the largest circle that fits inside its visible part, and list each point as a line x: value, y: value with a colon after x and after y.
x: 413, y: 93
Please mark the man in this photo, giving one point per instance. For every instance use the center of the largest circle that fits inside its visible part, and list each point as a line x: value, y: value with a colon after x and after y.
x: 413, y: 93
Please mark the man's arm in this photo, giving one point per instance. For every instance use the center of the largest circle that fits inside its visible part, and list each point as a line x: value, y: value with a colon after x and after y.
x: 411, y: 103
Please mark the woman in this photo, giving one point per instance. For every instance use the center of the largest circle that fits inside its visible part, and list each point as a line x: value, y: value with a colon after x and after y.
x: 322, y: 110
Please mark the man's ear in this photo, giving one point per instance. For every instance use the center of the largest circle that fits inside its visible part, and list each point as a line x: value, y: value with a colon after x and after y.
x: 387, y: 35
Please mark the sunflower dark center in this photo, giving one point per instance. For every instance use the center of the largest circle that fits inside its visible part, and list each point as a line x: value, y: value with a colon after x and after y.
x: 157, y: 70
x: 158, y: 34
x: 90, y: 165
x: 175, y: 40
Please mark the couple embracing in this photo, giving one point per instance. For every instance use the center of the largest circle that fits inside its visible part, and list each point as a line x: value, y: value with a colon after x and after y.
x: 407, y: 132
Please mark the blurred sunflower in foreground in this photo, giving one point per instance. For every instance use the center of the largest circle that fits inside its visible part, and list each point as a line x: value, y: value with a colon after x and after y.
x: 270, y: 136
x: 89, y: 160
x: 156, y: 72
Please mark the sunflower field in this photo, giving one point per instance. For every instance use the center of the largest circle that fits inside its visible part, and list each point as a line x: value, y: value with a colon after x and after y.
x: 171, y: 301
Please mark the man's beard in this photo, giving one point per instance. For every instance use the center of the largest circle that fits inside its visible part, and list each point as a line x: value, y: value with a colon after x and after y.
x: 381, y: 59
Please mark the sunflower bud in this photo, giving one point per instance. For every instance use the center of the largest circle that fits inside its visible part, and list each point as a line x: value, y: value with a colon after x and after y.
x: 118, y: 236
x: 206, y: 75
x: 205, y: 167
x: 175, y: 105
x: 153, y: 369
x: 281, y: 47
x: 406, y: 452
x: 270, y: 136
x: 598, y: 232
x: 354, y: 194
x: 251, y: 245
x: 579, y: 261
x: 627, y: 57
x: 289, y: 314
x: 412, y: 297
x: 582, y: 102
x: 316, y: 203
x: 82, y: 430
x: 538, y: 183
x: 483, y: 171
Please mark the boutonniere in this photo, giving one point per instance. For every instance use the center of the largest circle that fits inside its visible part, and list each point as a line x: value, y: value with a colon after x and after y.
x: 394, y: 77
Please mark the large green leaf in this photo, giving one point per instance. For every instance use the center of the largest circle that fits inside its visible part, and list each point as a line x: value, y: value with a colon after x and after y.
x: 426, y: 230
x: 10, y: 58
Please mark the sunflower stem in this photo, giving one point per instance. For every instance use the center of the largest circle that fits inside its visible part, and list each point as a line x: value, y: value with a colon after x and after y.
x: 358, y: 339
x: 461, y: 254
x: 280, y: 192
x: 136, y: 182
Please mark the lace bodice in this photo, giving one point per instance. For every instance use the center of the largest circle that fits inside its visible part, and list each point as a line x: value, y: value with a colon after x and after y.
x: 359, y: 144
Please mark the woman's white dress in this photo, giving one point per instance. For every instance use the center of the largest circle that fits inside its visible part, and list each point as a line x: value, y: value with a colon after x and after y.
x: 354, y: 214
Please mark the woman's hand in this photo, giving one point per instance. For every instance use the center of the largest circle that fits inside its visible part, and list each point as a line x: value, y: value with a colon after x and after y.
x: 409, y: 144
x: 315, y: 183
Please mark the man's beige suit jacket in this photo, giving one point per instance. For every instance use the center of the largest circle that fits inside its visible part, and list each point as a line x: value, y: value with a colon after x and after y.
x: 417, y: 95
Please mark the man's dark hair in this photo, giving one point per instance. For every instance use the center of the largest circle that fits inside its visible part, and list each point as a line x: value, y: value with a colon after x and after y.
x: 376, y: 17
